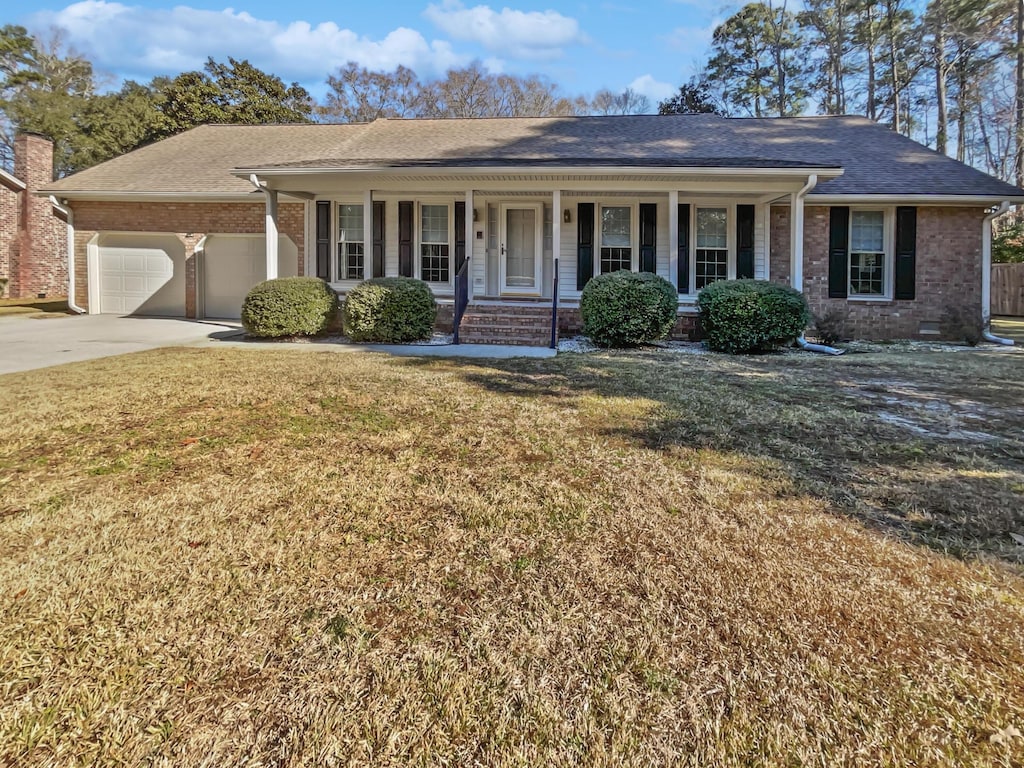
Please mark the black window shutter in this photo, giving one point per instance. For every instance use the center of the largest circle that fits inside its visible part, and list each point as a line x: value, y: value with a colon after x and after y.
x: 323, y: 239
x: 648, y: 235
x: 460, y: 234
x: 405, y: 238
x: 838, y: 252
x: 906, y: 252
x: 378, y: 238
x: 584, y: 244
x: 683, y: 248
x: 744, y: 242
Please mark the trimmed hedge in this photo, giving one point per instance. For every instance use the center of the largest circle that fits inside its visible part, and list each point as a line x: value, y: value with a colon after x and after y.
x: 289, y: 306
x: 390, y: 310
x: 751, y: 316
x: 624, y: 309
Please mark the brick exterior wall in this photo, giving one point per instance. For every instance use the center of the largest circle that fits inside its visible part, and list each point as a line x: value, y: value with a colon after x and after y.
x: 190, y: 222
x: 778, y: 245
x: 9, y: 202
x: 33, y: 236
x: 948, y: 271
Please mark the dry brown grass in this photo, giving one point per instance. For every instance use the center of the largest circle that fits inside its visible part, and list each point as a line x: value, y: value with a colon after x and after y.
x: 232, y: 557
x: 32, y: 306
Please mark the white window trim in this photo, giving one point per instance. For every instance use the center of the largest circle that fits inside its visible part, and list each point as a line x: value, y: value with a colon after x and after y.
x: 336, y: 281
x: 730, y: 239
x: 634, y: 232
x: 418, y: 252
x: 888, y: 261
x: 336, y: 216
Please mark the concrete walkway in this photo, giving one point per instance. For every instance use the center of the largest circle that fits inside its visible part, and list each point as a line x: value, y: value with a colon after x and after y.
x: 28, y: 343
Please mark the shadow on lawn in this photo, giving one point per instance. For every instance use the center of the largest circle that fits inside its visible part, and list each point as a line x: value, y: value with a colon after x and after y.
x: 922, y: 449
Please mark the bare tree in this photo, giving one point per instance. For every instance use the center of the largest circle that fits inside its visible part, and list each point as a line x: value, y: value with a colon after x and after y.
x: 628, y: 102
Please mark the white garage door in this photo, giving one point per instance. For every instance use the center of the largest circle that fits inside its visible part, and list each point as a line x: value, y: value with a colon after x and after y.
x: 141, y: 275
x: 233, y: 264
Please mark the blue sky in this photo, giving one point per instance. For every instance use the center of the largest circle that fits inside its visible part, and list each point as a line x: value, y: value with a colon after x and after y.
x: 652, y: 46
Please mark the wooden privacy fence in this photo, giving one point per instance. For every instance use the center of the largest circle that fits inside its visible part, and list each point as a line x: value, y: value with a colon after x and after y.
x: 1008, y: 289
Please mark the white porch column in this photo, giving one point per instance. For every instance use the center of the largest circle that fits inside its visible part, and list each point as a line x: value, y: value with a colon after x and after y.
x: 556, y: 232
x: 673, y: 238
x: 470, y: 231
x: 796, y: 240
x: 271, y: 233
x: 368, y: 234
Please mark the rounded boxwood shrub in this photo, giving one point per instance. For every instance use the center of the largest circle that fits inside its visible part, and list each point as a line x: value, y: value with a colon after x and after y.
x: 751, y: 316
x: 390, y: 310
x: 623, y: 309
x: 289, y: 306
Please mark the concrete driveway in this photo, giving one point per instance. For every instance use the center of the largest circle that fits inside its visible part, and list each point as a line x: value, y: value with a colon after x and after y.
x: 27, y: 343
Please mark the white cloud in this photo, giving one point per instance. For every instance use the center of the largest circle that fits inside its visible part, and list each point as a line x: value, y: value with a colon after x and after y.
x: 512, y: 33
x: 653, y: 89
x: 142, y: 42
x: 693, y: 40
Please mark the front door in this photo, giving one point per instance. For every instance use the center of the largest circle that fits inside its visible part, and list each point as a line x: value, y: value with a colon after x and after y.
x: 521, y: 249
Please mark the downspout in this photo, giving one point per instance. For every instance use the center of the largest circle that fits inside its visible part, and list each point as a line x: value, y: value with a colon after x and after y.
x: 71, y: 255
x: 271, y: 228
x: 823, y: 348
x: 796, y: 215
x: 986, y: 276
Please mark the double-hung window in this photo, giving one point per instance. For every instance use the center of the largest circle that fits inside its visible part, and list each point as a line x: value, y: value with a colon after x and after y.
x: 616, y: 238
x: 867, y: 253
x: 711, y: 260
x: 351, y: 249
x: 434, y: 261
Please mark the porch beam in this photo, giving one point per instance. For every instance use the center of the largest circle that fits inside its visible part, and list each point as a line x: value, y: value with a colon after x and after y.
x: 673, y: 238
x: 367, y: 234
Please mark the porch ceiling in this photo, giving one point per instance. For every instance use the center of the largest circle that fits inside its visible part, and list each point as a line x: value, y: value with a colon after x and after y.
x: 734, y: 182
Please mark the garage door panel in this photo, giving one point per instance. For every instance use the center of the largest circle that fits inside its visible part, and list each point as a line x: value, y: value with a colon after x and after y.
x: 142, y: 274
x: 233, y: 265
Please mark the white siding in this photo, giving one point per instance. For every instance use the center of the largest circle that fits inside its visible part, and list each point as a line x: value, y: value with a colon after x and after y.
x: 760, y: 243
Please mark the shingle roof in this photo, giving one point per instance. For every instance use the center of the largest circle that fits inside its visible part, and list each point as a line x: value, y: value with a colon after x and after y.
x: 200, y: 161
x: 875, y: 159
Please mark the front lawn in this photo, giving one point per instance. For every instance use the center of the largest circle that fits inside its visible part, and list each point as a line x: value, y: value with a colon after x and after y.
x: 33, y: 306
x: 251, y: 557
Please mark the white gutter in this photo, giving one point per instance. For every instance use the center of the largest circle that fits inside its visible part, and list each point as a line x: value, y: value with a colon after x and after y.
x: 827, y: 199
x: 986, y: 276
x: 559, y: 170
x: 71, y: 255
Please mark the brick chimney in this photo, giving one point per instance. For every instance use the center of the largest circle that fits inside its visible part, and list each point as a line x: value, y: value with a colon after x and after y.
x: 39, y: 260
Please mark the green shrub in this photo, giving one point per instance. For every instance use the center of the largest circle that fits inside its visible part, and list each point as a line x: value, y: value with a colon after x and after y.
x: 391, y: 310
x: 830, y: 327
x: 623, y: 309
x: 961, y: 324
x: 751, y: 316
x: 1008, y: 243
x: 289, y: 306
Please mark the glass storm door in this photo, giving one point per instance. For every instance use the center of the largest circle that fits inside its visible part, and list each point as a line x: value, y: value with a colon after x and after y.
x: 521, y: 249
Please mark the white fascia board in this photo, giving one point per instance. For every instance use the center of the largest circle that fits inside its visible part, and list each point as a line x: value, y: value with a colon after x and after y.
x: 918, y: 199
x: 11, y: 181
x: 577, y: 170
x: 162, y: 197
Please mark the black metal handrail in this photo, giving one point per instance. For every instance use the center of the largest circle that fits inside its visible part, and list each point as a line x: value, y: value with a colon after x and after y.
x: 461, y: 298
x: 554, y: 308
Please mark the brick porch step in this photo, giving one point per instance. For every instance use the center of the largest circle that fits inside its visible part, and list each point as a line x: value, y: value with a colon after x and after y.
x: 506, y: 324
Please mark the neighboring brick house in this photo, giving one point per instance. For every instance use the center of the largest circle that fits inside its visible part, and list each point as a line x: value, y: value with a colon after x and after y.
x: 33, y: 232
x: 847, y: 211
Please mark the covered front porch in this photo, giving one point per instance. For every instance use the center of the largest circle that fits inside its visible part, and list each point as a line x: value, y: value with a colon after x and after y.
x: 526, y: 242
